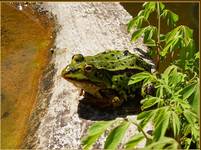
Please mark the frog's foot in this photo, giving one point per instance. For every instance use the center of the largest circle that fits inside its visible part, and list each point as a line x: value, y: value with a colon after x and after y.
x: 116, y: 101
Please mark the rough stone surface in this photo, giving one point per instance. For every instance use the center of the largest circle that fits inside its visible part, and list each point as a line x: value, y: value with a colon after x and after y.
x: 86, y: 28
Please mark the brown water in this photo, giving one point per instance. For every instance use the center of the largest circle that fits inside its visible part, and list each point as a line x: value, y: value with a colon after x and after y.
x: 26, y: 37
x: 188, y: 15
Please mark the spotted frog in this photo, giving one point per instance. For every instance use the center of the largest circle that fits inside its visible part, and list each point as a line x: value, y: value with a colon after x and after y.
x: 104, y: 77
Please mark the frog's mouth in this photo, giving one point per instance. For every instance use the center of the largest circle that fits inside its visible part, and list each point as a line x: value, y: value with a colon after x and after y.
x: 87, y: 86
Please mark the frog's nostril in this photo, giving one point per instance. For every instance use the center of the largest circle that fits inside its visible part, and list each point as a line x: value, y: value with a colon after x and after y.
x: 68, y: 70
x: 71, y: 70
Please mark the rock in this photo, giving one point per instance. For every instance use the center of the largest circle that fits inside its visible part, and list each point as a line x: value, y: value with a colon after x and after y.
x: 88, y: 28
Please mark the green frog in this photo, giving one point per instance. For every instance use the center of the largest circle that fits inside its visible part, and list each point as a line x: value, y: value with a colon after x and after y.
x: 104, y: 77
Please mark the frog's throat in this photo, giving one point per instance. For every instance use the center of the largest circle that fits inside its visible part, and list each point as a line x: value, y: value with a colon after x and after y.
x: 88, y: 87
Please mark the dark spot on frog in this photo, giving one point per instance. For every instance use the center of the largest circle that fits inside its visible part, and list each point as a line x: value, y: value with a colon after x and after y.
x: 71, y: 70
x: 126, y: 52
x: 138, y: 62
x: 96, y: 74
x: 112, y: 55
x: 5, y: 114
x: 122, y: 64
x: 112, y: 67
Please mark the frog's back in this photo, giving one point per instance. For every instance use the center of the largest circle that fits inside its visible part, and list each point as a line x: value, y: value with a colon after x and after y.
x: 116, y: 60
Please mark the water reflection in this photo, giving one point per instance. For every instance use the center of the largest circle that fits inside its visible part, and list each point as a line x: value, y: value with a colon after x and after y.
x: 26, y: 37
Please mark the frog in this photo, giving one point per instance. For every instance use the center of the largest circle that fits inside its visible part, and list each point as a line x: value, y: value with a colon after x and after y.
x: 104, y: 77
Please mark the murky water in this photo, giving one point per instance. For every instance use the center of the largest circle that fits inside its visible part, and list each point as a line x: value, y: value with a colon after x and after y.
x: 26, y: 37
x: 188, y: 15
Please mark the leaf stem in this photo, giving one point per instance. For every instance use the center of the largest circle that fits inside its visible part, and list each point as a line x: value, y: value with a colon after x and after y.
x: 145, y: 135
x: 147, y: 21
x: 158, y: 36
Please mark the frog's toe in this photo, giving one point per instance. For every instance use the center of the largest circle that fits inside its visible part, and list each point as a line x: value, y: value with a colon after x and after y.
x: 116, y: 101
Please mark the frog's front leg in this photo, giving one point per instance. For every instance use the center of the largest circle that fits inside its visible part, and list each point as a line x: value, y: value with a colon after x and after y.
x: 95, y: 101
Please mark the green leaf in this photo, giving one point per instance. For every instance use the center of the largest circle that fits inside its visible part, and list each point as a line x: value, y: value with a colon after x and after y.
x: 132, y: 143
x: 172, y: 35
x: 175, y: 79
x: 162, y: 37
x: 186, y: 31
x: 137, y: 34
x: 138, y: 77
x: 195, y: 132
x: 160, y: 112
x: 116, y: 135
x: 150, y: 42
x: 150, y: 31
x: 188, y: 90
x: 196, y: 99
x: 180, y: 37
x: 171, y: 17
x: 88, y: 141
x: 170, y: 46
x: 166, y: 73
x: 197, y: 55
x: 150, y: 5
x: 161, y: 125
x: 131, y: 24
x: 162, y: 6
x: 149, y: 101
x: 94, y: 132
x: 183, y: 103
x: 99, y: 126
x: 190, y: 116
x: 163, y: 143
x: 160, y: 91
x: 145, y: 117
x: 187, y: 143
x: 175, y: 123
x: 136, y: 22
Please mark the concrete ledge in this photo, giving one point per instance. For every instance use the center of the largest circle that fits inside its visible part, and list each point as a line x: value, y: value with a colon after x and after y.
x: 86, y: 28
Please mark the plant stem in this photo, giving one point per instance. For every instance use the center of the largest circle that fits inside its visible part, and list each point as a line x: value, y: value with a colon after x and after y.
x: 158, y: 36
x: 145, y: 135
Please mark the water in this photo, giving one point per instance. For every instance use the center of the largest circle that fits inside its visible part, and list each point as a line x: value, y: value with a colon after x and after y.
x: 26, y: 37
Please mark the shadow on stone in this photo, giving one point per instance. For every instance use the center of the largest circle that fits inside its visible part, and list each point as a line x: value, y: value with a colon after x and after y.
x: 95, y: 113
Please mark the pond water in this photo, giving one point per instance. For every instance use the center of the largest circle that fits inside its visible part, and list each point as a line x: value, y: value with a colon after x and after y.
x: 26, y: 37
x: 188, y: 15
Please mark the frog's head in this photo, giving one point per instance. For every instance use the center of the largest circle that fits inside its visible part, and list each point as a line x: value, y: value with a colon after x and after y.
x: 83, y: 74
x: 77, y: 69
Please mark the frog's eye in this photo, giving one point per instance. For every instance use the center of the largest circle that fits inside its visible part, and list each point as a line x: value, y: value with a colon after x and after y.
x: 78, y: 57
x: 88, y: 68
